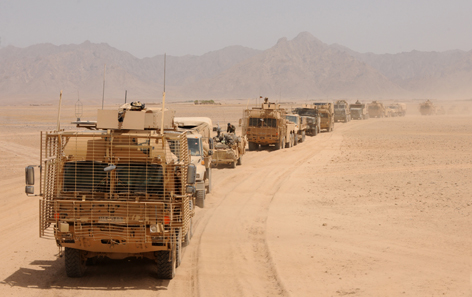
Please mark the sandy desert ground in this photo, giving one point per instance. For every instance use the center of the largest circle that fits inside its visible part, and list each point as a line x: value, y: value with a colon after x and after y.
x: 380, y: 207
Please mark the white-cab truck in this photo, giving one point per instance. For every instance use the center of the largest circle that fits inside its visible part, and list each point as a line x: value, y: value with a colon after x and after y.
x: 200, y: 144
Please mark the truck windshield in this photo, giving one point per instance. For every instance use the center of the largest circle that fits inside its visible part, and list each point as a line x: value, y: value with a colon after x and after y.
x: 260, y: 122
x: 292, y: 119
x: 194, y: 146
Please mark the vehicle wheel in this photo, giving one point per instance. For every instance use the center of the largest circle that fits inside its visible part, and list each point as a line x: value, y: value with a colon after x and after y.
x: 178, y: 247
x: 208, y: 175
x: 75, y: 264
x: 165, y: 261
x: 240, y: 161
x: 253, y: 146
x: 295, y: 139
x: 189, y: 234
x: 303, y: 136
x: 282, y: 145
x: 233, y: 165
x: 200, y: 200
x: 316, y: 131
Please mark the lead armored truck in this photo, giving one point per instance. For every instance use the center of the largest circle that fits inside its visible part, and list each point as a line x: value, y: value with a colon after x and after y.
x: 267, y: 126
x: 120, y: 188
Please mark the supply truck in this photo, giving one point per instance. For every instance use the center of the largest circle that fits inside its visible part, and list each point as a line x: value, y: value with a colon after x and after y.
x: 267, y: 126
x: 311, y: 116
x: 358, y: 111
x: 300, y: 127
x: 342, y: 111
x: 427, y: 108
x: 376, y: 110
x: 200, y: 144
x: 326, y: 112
x: 119, y: 187
x: 229, y: 149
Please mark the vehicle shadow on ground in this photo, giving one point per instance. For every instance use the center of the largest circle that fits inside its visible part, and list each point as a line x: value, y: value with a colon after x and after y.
x: 128, y: 274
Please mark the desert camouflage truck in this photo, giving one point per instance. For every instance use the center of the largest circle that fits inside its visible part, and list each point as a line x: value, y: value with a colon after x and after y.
x: 326, y: 112
x: 117, y: 189
x: 267, y: 126
x: 342, y: 111
x: 200, y: 144
x: 312, y: 118
x: 228, y: 149
x: 359, y: 111
x: 376, y: 110
x: 300, y: 127
x: 427, y: 108
x: 397, y: 109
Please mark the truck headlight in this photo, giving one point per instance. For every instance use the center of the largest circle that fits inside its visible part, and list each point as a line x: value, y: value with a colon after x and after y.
x: 153, y: 228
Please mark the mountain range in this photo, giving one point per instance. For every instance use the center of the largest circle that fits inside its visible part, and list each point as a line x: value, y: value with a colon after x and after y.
x: 301, y: 68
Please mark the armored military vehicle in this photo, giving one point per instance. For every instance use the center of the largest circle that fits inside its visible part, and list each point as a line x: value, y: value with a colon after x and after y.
x: 342, y: 111
x: 427, y: 108
x: 267, y: 126
x: 200, y: 144
x: 121, y: 187
x: 376, y: 110
x: 358, y: 111
x: 229, y: 149
x: 326, y: 112
x: 312, y: 118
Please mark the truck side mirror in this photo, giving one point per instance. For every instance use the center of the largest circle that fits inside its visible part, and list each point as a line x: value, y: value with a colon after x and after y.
x: 29, y: 190
x: 29, y: 175
x: 191, y: 174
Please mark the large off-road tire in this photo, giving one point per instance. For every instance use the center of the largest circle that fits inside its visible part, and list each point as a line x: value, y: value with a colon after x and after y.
x: 165, y: 265
x: 240, y: 160
x: 303, y: 136
x: 233, y: 165
x: 253, y: 146
x: 75, y: 264
x: 208, y: 175
x: 189, y: 234
x: 295, y: 139
x: 178, y: 247
x: 200, y: 199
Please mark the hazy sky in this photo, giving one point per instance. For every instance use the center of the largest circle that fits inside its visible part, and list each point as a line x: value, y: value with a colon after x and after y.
x: 148, y: 28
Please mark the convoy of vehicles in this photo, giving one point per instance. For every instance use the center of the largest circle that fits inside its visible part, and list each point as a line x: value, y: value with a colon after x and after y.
x: 342, y: 111
x: 126, y: 185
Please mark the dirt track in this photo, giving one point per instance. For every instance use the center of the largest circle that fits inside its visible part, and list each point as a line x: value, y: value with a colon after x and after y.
x: 377, y: 208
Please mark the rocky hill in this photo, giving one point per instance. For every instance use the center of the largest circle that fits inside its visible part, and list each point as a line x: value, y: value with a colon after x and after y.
x: 301, y: 68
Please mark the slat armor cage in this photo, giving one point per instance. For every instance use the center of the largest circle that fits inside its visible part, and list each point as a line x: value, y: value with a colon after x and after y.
x: 110, y: 187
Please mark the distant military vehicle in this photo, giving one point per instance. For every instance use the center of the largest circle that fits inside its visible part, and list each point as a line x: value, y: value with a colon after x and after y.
x: 359, y: 111
x: 397, y: 109
x: 229, y: 149
x: 300, y: 127
x: 312, y: 118
x: 326, y: 112
x: 124, y: 188
x: 342, y: 111
x: 200, y: 144
x: 376, y: 110
x: 267, y: 125
x: 427, y: 108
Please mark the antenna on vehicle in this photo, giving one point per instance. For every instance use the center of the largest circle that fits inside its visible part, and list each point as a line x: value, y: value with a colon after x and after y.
x: 126, y: 94
x: 78, y: 108
x: 59, y: 112
x: 104, y: 74
x: 163, y: 98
